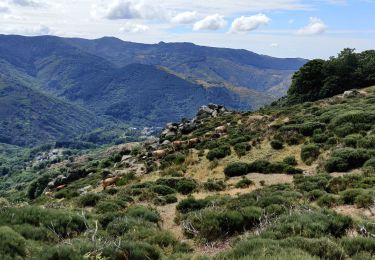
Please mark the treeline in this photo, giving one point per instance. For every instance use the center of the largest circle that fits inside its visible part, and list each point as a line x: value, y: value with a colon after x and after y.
x: 319, y: 79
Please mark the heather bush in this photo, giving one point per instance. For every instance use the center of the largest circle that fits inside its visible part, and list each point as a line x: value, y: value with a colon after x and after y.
x: 12, y: 244
x: 218, y: 153
x: 309, y: 153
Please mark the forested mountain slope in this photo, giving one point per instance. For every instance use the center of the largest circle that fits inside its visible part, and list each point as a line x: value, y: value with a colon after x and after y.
x: 211, y: 66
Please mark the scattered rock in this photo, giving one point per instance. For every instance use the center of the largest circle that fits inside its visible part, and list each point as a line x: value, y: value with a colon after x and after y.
x: 125, y: 158
x: 85, y: 189
x: 166, y: 142
x: 351, y: 93
x: 58, y: 181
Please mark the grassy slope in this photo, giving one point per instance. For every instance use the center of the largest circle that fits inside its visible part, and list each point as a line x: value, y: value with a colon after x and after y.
x: 261, y: 127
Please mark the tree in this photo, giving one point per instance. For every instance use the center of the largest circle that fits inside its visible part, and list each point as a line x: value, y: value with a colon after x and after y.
x: 319, y: 79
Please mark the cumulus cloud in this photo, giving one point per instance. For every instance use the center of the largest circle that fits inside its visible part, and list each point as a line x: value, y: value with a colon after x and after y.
x: 315, y: 27
x: 249, y: 23
x: 29, y: 3
x: 134, y: 28
x: 211, y: 22
x: 185, y: 18
x: 122, y: 9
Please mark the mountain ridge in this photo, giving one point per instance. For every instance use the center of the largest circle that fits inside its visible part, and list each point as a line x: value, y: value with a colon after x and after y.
x: 140, y: 91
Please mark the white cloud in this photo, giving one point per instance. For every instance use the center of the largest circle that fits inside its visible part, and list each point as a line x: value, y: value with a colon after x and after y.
x: 291, y: 21
x: 122, y: 9
x: 249, y: 23
x: 315, y: 26
x: 211, y: 22
x: 185, y: 18
x: 29, y: 3
x: 134, y: 28
x: 274, y: 44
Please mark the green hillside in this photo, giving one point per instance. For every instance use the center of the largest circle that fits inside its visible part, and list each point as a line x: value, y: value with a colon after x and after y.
x: 285, y: 182
x: 214, y: 66
x: 29, y: 117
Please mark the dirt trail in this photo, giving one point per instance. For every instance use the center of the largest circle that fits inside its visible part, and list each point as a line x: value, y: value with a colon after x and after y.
x: 168, y: 214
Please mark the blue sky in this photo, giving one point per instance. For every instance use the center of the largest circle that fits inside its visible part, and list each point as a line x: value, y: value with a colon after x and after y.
x: 282, y: 28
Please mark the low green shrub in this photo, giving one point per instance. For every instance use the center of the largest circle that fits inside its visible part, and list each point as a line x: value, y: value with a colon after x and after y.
x: 310, y: 183
x: 35, y: 233
x: 319, y: 138
x: 244, y: 183
x: 175, y: 158
x: 66, y: 193
x: 89, y: 199
x: 162, y: 239
x: 309, y: 153
x: 290, y: 160
x: 263, y: 249
x: 186, y: 186
x: 315, y: 195
x: 324, y: 248
x: 169, y: 199
x: 131, y: 250
x: 212, y: 185
x: 218, y: 153
x: 109, y: 206
x: 349, y: 196
x: 346, y: 159
x: 213, y: 224
x: 62, y: 222
x: 292, y: 171
x: 370, y: 163
x: 120, y: 226
x: 309, y: 224
x: 336, y: 164
x: 367, y: 142
x: 365, y: 199
x: 352, y: 140
x: 277, y: 144
x: 163, y: 190
x: 328, y: 200
x: 241, y: 149
x: 191, y: 204
x: 108, y: 217
x: 143, y: 213
x: 60, y: 252
x: 355, y: 245
x: 12, y: 244
x: 306, y: 129
x: 263, y: 166
x: 236, y: 169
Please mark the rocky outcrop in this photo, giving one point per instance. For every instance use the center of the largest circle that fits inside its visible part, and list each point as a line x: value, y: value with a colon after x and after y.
x: 186, y: 126
x: 212, y: 110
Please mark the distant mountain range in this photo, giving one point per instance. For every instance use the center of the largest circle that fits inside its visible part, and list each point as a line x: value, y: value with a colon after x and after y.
x: 55, y: 88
